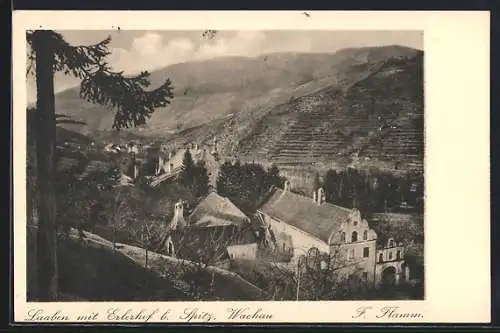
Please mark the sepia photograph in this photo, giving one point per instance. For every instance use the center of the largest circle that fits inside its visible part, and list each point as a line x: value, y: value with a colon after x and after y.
x: 225, y: 165
x: 177, y: 166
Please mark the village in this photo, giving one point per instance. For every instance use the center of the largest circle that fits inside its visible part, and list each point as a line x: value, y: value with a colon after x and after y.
x: 293, y: 233
x: 277, y: 176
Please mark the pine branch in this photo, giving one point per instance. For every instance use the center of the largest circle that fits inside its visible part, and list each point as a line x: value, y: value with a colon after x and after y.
x: 76, y: 60
x: 100, y: 84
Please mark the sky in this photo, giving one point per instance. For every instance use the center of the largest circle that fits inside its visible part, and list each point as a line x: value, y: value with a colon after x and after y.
x: 133, y: 51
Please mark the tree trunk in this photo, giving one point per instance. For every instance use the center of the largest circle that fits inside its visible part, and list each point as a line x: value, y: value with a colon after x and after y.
x: 45, y: 146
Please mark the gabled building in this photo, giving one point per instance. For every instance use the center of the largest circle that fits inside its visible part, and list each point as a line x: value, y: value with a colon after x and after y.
x: 170, y: 163
x: 296, y: 224
x: 217, y: 219
x: 215, y: 211
x: 299, y: 221
x: 214, y: 223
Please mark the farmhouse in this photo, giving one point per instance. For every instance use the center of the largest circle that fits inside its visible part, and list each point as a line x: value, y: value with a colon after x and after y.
x: 215, y: 224
x: 170, y: 163
x: 224, y: 225
x: 296, y: 224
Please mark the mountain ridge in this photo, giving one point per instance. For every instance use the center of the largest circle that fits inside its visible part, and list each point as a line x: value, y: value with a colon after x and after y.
x: 230, y: 97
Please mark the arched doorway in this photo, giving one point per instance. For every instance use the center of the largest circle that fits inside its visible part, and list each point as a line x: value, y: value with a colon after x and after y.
x: 389, y: 276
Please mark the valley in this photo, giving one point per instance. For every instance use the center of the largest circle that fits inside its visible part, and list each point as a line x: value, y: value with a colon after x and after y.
x: 359, y: 108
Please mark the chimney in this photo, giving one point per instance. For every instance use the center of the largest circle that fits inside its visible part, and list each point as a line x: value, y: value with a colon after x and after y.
x: 287, y: 186
x: 136, y: 171
x: 178, y: 221
x: 160, y: 164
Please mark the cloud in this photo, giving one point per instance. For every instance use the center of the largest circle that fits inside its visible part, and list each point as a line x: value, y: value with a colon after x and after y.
x: 151, y: 50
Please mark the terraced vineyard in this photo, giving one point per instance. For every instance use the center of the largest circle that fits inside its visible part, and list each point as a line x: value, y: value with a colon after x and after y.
x: 360, y: 107
x: 378, y: 118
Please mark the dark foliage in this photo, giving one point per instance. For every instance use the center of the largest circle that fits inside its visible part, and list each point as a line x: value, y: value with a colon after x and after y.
x: 127, y: 96
x: 246, y: 185
x: 194, y: 176
x: 375, y: 191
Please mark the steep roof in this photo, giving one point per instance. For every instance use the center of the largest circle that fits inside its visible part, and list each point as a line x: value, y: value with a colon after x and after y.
x: 303, y: 213
x: 215, y: 210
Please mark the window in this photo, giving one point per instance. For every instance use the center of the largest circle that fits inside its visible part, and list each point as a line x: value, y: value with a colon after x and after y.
x: 284, y: 247
x: 354, y: 237
x: 342, y: 237
x: 381, y: 258
x: 390, y: 255
x: 366, y: 252
x: 351, y: 254
x: 391, y: 242
x: 398, y: 255
x: 365, y: 235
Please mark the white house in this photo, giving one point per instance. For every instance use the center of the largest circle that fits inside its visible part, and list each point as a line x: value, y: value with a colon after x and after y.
x: 297, y: 224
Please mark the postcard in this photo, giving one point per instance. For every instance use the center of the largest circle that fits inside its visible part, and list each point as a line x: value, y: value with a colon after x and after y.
x: 251, y: 167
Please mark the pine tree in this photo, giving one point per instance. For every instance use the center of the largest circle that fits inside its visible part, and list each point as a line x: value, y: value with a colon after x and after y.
x: 201, y: 179
x: 273, y: 177
x: 331, y: 185
x: 127, y: 96
x: 186, y: 177
x: 229, y: 180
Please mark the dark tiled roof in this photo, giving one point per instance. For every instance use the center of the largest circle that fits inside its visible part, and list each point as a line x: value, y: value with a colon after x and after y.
x: 215, y: 210
x: 303, y: 213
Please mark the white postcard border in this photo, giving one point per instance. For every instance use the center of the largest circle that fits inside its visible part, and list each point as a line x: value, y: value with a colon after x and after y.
x: 457, y: 216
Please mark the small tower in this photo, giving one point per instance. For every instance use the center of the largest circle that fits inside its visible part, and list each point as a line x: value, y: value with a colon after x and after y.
x: 321, y: 196
x: 391, y: 266
x: 178, y: 222
x: 161, y: 162
x: 287, y: 186
x: 136, y: 170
